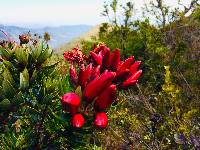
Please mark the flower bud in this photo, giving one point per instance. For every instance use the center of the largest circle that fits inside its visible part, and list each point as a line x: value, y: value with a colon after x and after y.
x: 77, y: 121
x: 97, y: 58
x: 115, y: 60
x: 85, y: 75
x: 101, y: 120
x: 132, y: 79
x: 70, y: 102
x: 135, y: 66
x: 95, y: 73
x: 126, y: 64
x: 73, y: 75
x: 107, y: 60
x: 95, y: 87
x: 135, y: 76
x: 106, y: 98
x: 24, y: 39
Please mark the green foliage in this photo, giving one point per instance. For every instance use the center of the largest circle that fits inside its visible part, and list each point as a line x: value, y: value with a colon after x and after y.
x: 161, y: 112
x: 169, y: 87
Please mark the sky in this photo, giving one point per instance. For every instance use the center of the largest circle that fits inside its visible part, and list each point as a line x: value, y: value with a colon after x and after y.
x: 57, y: 12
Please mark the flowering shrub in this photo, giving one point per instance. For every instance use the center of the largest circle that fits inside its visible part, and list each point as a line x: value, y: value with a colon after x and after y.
x: 97, y: 81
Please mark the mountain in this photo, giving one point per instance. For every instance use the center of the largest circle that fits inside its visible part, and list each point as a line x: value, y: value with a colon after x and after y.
x: 93, y: 32
x: 59, y: 35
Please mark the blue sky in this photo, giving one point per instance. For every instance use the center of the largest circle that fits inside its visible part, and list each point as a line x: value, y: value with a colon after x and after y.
x: 56, y: 12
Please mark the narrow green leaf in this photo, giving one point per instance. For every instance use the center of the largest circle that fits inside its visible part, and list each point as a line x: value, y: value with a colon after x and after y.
x: 24, y: 79
x: 8, y: 84
x: 22, y: 56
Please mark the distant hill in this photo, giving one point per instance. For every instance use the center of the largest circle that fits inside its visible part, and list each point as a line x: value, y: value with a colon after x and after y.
x: 59, y: 35
x: 93, y: 32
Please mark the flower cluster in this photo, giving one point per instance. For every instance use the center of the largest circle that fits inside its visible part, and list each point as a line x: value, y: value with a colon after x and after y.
x: 24, y: 38
x: 126, y: 71
x: 75, y: 56
x: 98, y: 81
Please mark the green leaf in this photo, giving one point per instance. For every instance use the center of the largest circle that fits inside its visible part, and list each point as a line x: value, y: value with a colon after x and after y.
x: 8, y: 84
x: 47, y: 53
x: 64, y: 85
x: 4, y: 104
x: 18, y: 99
x: 78, y: 91
x: 5, y: 53
x: 24, y: 79
x: 22, y: 56
x: 37, y: 51
x: 47, y: 99
x: 8, y: 65
x: 1, y: 93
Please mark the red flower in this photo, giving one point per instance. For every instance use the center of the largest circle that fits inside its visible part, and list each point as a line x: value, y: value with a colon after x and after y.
x: 101, y: 48
x: 115, y: 60
x: 70, y: 102
x: 85, y: 75
x: 101, y: 120
x: 126, y: 64
x: 95, y: 73
x: 24, y: 39
x: 135, y: 66
x: 107, y: 60
x: 75, y: 56
x: 78, y: 121
x: 97, y: 58
x: 73, y: 75
x: 95, y: 87
x: 106, y: 98
x: 133, y: 79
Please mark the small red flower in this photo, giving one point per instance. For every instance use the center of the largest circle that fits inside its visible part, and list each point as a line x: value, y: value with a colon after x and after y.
x: 95, y: 73
x: 78, y: 121
x: 70, y: 102
x: 133, y: 79
x: 85, y: 75
x: 135, y: 66
x: 101, y: 120
x: 107, y: 60
x: 75, y: 56
x: 106, y: 98
x: 95, y: 87
x: 73, y: 75
x: 97, y: 58
x: 115, y: 60
x: 126, y: 64
x: 24, y: 39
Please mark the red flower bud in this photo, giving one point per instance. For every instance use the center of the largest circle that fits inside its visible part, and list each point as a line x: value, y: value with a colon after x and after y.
x: 85, y: 76
x: 77, y: 121
x: 103, y: 49
x: 126, y: 64
x: 115, y: 60
x: 95, y: 87
x: 97, y: 58
x: 96, y: 73
x: 107, y: 60
x: 106, y: 98
x: 101, y: 120
x: 128, y: 83
x: 135, y: 76
x: 70, y: 102
x: 81, y: 74
x: 133, y: 79
x: 73, y: 75
x: 122, y: 75
x: 135, y: 66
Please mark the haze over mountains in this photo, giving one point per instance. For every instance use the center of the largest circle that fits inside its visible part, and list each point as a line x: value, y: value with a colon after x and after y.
x: 59, y: 35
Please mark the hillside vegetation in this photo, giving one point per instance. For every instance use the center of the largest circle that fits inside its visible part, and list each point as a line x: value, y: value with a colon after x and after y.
x: 88, y: 36
x: 129, y: 84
